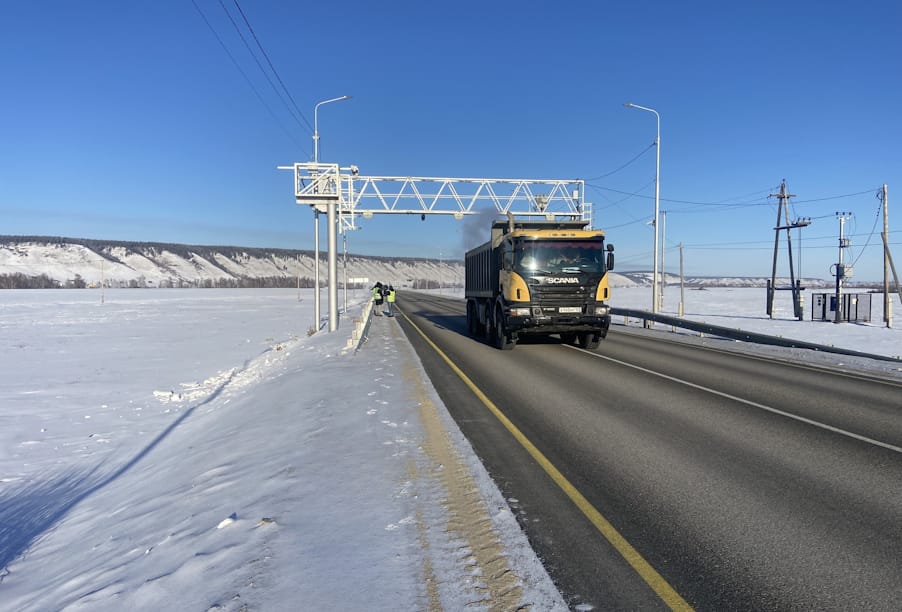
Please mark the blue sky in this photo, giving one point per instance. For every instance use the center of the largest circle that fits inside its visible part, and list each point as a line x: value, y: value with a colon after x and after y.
x: 129, y: 121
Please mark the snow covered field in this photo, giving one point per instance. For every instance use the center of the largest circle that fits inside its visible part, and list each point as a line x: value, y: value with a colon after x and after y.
x: 196, y: 450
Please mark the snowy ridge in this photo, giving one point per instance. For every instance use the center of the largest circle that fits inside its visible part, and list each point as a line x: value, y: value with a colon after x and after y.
x: 75, y: 262
x: 695, y: 282
x: 78, y: 262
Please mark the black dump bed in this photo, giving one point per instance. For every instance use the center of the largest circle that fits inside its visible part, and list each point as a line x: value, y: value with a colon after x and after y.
x: 481, y: 271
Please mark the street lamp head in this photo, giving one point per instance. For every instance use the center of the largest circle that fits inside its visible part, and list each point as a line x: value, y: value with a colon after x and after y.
x: 316, y: 123
x: 330, y: 100
x: 645, y: 108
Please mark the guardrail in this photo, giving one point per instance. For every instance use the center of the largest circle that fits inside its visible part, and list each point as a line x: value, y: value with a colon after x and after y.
x: 744, y: 336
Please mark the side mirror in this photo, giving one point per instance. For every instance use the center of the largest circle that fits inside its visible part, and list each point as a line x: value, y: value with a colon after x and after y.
x: 610, y: 260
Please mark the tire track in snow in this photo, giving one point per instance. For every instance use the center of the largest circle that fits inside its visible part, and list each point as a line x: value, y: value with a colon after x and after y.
x: 481, y: 550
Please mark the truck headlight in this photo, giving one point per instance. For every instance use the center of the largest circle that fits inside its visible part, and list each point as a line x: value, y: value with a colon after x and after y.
x: 602, y: 310
x: 520, y: 312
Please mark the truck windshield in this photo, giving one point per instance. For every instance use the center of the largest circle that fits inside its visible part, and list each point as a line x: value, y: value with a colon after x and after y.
x: 559, y: 256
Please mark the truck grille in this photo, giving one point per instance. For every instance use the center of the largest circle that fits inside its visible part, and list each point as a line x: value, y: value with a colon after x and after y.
x: 560, y: 296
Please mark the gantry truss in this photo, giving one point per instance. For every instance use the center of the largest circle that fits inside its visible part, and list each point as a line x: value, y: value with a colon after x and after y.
x: 321, y: 184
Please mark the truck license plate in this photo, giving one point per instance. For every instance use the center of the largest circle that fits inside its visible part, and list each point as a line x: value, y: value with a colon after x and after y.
x: 570, y: 309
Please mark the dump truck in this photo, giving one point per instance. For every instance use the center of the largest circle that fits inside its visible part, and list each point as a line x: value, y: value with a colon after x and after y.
x: 539, y: 278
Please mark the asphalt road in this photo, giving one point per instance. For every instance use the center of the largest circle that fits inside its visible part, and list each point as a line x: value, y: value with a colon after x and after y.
x: 652, y: 474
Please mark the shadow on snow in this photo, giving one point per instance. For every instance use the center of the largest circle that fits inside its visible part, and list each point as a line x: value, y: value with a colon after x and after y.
x: 30, y: 510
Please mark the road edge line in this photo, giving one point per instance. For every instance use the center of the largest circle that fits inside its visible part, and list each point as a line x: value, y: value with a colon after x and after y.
x: 643, y: 568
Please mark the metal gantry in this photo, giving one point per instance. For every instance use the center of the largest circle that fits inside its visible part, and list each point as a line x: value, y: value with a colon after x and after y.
x: 318, y: 184
x: 346, y: 195
x: 369, y: 195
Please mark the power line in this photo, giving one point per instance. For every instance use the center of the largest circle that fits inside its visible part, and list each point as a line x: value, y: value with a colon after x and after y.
x: 243, y: 74
x: 641, y: 153
x: 726, y: 246
x: 847, y: 195
x: 870, y: 235
x: 748, y: 195
x: 628, y: 223
x: 260, y: 66
x: 716, y: 207
x: 722, y: 204
x: 271, y: 67
x: 719, y: 204
x: 624, y: 199
x: 626, y: 193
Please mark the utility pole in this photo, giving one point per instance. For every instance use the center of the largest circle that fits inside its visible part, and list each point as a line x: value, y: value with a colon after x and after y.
x: 663, y: 248
x: 887, y: 302
x: 682, y: 296
x: 841, y: 271
x: 344, y: 264
x: 794, y: 286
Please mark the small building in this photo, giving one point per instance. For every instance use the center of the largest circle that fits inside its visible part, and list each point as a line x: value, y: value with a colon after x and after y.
x: 854, y: 307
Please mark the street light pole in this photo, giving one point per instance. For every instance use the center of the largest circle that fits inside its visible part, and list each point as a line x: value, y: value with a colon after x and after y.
x: 316, y: 124
x: 316, y: 302
x: 654, y: 289
x: 344, y: 265
x: 663, y: 248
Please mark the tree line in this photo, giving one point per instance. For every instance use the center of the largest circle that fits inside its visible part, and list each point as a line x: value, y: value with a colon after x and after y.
x: 18, y: 280
x: 21, y: 281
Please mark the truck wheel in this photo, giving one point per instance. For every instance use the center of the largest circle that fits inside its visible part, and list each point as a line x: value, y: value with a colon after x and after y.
x: 503, y: 339
x: 589, y: 340
x: 568, y: 338
x: 472, y: 323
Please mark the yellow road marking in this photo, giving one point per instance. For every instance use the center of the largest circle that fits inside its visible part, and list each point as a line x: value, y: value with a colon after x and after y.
x: 642, y: 567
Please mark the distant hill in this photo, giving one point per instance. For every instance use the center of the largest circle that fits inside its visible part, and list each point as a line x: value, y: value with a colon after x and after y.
x: 47, y: 261
x: 42, y: 261
x: 644, y: 278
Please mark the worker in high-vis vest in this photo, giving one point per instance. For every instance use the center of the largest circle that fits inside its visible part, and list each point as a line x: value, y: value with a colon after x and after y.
x: 390, y: 298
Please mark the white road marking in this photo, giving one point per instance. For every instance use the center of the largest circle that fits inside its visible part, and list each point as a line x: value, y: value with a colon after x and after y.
x: 770, y: 409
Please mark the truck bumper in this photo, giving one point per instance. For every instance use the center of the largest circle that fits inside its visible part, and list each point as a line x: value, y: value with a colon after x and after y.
x: 560, y: 324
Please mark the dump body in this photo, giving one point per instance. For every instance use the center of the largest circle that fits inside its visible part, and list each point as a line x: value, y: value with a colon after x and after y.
x: 539, y: 277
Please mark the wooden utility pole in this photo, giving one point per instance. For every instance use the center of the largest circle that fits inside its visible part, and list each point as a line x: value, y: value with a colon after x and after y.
x: 680, y: 310
x: 888, y: 266
x: 794, y: 286
x: 663, y: 248
x: 887, y: 302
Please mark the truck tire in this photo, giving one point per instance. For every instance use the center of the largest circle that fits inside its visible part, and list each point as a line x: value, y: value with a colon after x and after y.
x: 487, y: 328
x: 568, y: 338
x: 589, y: 340
x: 472, y: 321
x: 504, y: 340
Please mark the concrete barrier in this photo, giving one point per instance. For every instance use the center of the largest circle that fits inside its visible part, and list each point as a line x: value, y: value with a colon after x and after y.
x: 360, y: 328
